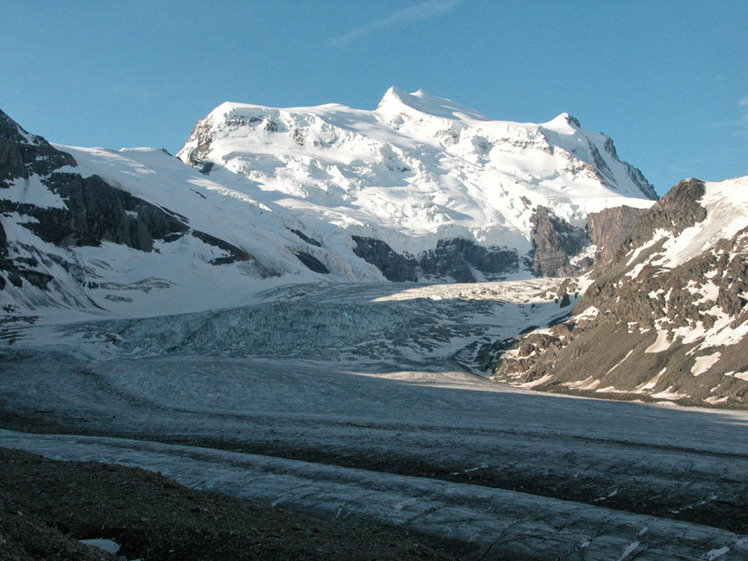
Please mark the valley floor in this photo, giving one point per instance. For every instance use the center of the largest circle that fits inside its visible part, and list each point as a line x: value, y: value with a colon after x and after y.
x: 354, y: 405
x: 483, y: 470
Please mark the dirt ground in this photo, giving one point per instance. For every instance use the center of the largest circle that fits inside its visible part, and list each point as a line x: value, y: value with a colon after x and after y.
x: 47, y: 505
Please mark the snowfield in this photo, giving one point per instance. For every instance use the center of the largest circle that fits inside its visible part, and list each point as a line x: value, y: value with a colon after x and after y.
x: 417, y: 169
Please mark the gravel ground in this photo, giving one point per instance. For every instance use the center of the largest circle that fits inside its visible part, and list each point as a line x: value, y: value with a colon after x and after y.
x: 47, y: 505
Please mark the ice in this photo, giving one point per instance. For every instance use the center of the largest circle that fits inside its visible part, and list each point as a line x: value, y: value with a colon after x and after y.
x: 464, y: 425
x: 109, y: 546
x: 356, y: 323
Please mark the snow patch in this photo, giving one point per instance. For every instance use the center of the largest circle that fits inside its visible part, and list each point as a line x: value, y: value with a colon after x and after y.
x: 110, y: 546
x: 588, y: 383
x: 620, y: 362
x: 661, y: 343
x: 717, y: 553
x: 704, y: 363
x: 650, y: 385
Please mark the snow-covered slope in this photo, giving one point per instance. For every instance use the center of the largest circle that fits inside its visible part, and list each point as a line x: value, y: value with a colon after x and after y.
x: 136, y: 233
x: 667, y: 319
x: 418, y: 169
x: 418, y: 189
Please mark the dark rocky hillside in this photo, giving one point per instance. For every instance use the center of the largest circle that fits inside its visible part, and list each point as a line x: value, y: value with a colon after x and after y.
x: 46, y: 506
x: 660, y: 321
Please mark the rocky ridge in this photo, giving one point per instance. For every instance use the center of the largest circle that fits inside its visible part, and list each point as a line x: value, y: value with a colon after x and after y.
x: 73, y: 238
x: 664, y: 319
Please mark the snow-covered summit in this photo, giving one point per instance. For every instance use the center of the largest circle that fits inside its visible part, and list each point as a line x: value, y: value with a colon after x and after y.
x: 396, y: 101
x: 418, y: 168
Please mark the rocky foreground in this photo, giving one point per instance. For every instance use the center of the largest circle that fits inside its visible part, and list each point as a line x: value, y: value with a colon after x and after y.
x: 46, y: 506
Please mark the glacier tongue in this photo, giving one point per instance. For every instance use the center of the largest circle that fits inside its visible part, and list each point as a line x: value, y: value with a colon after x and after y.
x: 369, y: 326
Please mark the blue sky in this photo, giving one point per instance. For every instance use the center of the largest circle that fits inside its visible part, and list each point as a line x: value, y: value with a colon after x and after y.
x: 667, y: 80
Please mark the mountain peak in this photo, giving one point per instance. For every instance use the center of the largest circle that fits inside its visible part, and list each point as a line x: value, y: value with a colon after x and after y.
x: 397, y: 101
x: 563, y: 120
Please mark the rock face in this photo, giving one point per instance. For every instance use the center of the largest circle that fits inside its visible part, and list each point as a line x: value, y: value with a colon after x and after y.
x: 455, y: 259
x: 609, y: 228
x: 554, y: 243
x: 665, y: 319
x: 96, y: 212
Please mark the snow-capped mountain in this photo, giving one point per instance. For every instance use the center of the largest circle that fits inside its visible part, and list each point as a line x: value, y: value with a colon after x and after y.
x: 421, y: 180
x: 420, y: 189
x: 133, y: 232
x: 666, y: 319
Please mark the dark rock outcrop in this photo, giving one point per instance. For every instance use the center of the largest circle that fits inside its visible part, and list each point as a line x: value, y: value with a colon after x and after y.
x: 312, y: 263
x: 23, y: 155
x: 307, y: 239
x: 233, y: 253
x: 461, y: 259
x: 97, y: 212
x: 458, y: 259
x: 394, y: 267
x: 555, y: 242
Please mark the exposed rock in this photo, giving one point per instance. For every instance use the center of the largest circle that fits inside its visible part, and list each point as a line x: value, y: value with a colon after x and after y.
x: 554, y: 242
x: 608, y: 229
x: 456, y: 258
x: 203, y: 136
x: 312, y: 263
x: 97, y: 212
x: 647, y: 331
x: 94, y: 211
x: 23, y: 154
x: 394, y: 267
x: 234, y: 253
x: 307, y: 239
x: 675, y: 212
x: 460, y: 259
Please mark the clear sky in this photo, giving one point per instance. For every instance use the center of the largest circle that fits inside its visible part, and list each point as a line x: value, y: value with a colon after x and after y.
x: 667, y: 80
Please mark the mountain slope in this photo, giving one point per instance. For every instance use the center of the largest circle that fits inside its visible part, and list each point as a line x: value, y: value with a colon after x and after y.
x: 666, y: 319
x: 133, y: 232
x: 421, y: 170
x: 421, y: 189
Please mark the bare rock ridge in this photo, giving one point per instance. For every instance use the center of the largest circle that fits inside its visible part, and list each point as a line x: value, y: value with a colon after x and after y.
x: 664, y: 319
x: 458, y: 259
